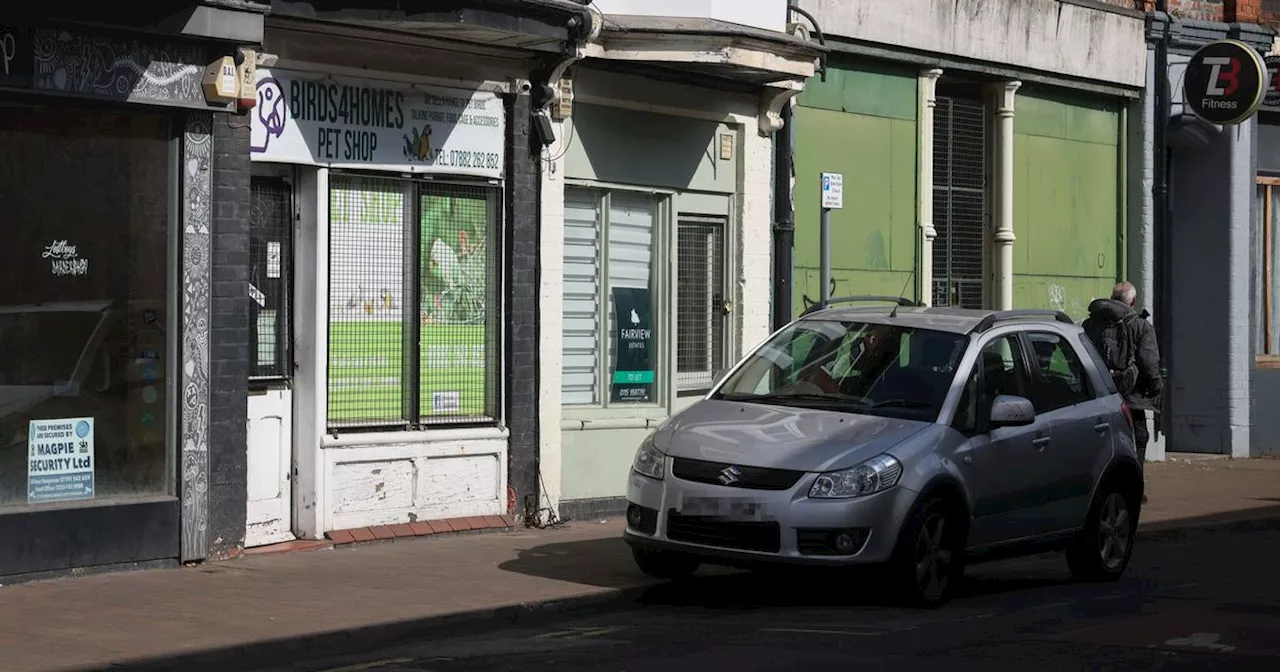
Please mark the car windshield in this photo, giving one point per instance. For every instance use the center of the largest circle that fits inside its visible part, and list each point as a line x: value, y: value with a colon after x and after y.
x: 43, y: 347
x: 872, y: 369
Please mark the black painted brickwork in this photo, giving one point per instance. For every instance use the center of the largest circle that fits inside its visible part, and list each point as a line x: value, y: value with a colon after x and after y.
x: 229, y: 336
x: 522, y: 245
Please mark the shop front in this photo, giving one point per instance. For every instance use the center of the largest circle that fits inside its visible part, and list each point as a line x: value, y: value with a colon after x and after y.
x: 656, y: 241
x: 390, y: 305
x: 106, y: 396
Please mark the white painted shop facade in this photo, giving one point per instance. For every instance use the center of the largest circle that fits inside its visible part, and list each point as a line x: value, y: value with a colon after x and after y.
x: 387, y: 191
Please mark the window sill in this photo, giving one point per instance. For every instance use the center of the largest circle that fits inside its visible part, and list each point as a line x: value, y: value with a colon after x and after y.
x: 587, y: 424
x: 1266, y: 361
x: 434, y: 435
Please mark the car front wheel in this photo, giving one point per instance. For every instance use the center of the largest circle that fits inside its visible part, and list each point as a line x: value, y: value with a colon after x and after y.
x: 1102, y: 550
x: 927, y: 561
x: 664, y: 564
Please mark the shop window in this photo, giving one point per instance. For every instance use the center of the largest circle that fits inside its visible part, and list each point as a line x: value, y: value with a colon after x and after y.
x: 701, y: 295
x: 1266, y: 260
x: 959, y: 200
x: 84, y: 317
x: 413, y: 312
x: 270, y: 278
x: 609, y: 260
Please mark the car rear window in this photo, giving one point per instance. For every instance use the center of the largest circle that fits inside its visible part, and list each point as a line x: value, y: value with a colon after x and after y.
x: 1099, y: 364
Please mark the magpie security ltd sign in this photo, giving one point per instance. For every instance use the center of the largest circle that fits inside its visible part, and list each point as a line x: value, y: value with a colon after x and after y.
x: 315, y: 119
x: 1225, y: 81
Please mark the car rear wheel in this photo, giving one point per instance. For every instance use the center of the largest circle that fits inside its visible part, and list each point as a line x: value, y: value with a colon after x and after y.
x: 664, y: 564
x: 927, y: 562
x: 1102, y: 550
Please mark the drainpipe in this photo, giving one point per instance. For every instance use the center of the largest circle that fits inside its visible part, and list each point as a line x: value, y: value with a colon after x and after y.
x: 784, y: 223
x: 1162, y: 170
x: 784, y: 218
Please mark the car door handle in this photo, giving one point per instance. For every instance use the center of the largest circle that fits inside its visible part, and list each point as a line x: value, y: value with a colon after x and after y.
x: 1102, y: 427
x: 1040, y: 442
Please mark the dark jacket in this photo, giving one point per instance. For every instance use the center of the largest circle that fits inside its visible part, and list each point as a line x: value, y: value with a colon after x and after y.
x: 1146, y: 394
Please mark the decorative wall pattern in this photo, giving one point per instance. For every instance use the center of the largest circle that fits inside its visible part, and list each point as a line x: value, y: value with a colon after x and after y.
x: 119, y: 69
x: 197, y: 212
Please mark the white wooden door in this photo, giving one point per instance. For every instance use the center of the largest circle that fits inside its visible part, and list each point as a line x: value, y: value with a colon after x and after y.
x: 270, y: 505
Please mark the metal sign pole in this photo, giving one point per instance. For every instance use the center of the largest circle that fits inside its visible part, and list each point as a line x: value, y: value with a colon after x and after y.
x: 832, y: 199
x: 825, y: 253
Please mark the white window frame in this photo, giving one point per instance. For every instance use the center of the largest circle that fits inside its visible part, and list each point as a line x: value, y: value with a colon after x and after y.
x: 662, y: 271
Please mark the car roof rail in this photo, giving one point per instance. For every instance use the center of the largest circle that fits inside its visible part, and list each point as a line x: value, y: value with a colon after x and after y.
x: 1024, y: 313
x: 898, y: 300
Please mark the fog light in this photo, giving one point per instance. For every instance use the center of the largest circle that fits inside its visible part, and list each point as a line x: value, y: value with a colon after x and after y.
x: 635, y: 516
x: 845, y: 542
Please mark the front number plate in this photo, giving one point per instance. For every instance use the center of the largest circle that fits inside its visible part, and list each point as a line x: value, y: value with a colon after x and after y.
x: 736, y: 508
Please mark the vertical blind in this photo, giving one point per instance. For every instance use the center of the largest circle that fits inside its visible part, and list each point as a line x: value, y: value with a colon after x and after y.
x: 581, y: 296
x: 628, y: 248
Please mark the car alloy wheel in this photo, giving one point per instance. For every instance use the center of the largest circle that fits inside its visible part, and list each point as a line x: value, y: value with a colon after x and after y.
x: 933, y: 559
x: 1115, y: 531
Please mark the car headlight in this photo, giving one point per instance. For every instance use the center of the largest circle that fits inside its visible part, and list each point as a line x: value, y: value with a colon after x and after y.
x: 649, y: 461
x: 878, y: 473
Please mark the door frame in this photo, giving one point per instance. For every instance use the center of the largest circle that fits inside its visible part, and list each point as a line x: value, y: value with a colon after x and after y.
x: 283, y: 383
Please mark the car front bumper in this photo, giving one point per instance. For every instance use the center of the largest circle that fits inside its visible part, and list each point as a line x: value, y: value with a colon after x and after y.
x: 783, y: 526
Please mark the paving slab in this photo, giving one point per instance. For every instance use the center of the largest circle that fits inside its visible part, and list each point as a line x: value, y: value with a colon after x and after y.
x: 367, y: 595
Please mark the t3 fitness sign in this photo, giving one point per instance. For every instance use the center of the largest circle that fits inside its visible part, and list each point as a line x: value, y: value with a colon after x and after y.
x: 1225, y: 81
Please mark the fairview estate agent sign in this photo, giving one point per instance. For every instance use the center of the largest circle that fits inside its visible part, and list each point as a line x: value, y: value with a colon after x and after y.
x: 315, y: 119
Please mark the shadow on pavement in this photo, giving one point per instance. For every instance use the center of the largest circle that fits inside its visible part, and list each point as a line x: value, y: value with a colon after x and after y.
x: 606, y: 563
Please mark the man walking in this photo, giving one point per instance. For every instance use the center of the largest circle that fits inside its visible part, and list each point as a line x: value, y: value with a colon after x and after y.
x: 1127, y: 343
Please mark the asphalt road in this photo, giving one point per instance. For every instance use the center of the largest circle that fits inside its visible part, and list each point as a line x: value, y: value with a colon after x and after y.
x: 1212, y: 603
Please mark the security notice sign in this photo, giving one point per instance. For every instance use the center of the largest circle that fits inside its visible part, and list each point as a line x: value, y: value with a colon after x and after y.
x: 60, y: 460
x: 832, y: 191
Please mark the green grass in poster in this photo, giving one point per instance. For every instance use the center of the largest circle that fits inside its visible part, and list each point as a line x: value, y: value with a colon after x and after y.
x: 365, y: 371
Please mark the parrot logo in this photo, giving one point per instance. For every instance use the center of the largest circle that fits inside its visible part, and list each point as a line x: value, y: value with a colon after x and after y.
x: 417, y: 146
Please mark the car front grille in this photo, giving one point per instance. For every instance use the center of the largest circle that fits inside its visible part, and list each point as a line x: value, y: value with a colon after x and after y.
x: 765, y: 537
x: 751, y: 478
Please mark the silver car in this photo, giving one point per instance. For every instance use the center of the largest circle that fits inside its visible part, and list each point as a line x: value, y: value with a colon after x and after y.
x: 914, y: 439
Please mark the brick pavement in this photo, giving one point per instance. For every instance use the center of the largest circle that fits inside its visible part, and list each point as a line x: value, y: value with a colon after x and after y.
x: 398, y: 588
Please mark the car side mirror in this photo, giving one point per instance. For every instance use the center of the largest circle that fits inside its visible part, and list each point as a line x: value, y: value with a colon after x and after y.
x: 1011, y: 411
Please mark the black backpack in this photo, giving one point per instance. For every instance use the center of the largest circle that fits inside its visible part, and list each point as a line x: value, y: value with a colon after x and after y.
x: 1114, y: 342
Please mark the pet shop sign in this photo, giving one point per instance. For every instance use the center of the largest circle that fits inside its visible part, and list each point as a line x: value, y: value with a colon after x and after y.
x: 315, y: 119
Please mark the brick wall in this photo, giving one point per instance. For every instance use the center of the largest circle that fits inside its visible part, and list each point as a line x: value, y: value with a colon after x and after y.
x: 522, y: 301
x: 229, y: 337
x: 1269, y: 11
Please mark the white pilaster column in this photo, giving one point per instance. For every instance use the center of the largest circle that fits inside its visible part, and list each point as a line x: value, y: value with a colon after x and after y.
x: 1003, y: 236
x: 927, y: 88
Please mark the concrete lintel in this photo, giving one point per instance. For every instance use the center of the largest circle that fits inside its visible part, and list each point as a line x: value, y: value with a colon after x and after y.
x: 703, y: 51
x: 1188, y: 35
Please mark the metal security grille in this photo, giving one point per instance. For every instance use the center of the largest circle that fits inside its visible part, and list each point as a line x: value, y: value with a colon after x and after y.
x: 366, y: 301
x: 959, y: 201
x: 457, y: 323
x: 413, y: 319
x: 270, y: 277
x: 700, y: 301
